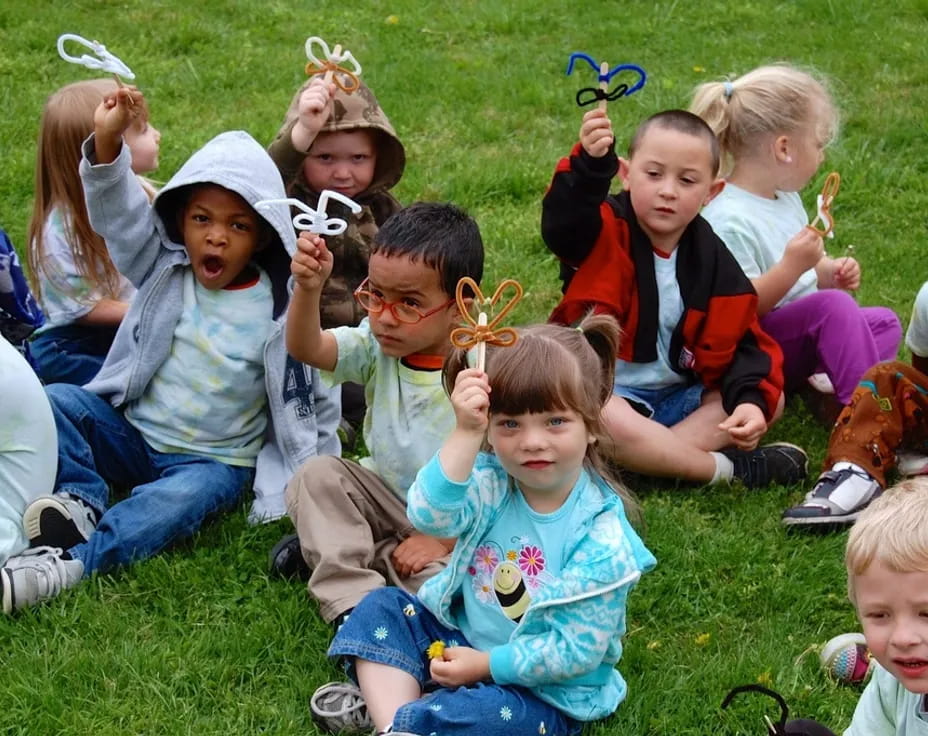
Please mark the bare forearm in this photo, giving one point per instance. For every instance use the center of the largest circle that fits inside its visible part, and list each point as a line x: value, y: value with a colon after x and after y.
x: 107, y: 313
x: 773, y: 285
x: 306, y: 340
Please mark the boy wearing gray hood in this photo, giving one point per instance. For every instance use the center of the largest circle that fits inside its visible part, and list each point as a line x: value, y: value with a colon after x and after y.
x: 197, y: 374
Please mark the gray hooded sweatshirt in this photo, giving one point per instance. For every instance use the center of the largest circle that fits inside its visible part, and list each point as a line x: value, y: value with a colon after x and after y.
x: 144, y: 244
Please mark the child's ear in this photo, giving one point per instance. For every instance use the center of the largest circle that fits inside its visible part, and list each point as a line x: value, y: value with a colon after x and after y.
x: 715, y: 189
x: 468, y: 300
x: 624, y: 164
x: 781, y: 149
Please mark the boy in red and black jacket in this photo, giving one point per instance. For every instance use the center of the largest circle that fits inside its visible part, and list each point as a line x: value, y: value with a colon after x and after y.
x: 697, y: 380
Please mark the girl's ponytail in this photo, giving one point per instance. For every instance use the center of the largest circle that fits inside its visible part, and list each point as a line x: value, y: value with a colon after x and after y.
x: 602, y: 333
x: 769, y: 100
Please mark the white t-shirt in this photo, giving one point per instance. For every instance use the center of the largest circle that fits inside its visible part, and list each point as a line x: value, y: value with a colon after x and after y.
x: 408, y: 414
x: 916, y: 338
x: 66, y: 295
x: 28, y: 446
x: 658, y: 373
x: 756, y: 231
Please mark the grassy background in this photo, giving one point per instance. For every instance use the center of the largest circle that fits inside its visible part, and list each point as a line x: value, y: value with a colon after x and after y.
x: 199, y: 640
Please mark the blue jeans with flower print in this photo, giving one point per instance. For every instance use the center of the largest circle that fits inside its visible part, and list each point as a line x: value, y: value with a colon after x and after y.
x: 392, y: 627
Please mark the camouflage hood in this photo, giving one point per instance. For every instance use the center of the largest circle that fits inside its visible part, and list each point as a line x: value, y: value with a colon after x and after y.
x: 360, y: 110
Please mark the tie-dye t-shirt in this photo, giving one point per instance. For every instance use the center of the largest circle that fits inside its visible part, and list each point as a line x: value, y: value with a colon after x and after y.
x: 208, y: 397
x: 67, y: 296
x: 408, y: 413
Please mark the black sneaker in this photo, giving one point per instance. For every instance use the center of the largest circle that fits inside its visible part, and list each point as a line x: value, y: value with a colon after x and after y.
x: 779, y: 462
x: 286, y: 560
x: 60, y: 520
x: 836, y: 500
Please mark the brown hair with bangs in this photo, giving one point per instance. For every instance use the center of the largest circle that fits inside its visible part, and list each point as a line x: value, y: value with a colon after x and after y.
x: 553, y: 367
x: 66, y: 121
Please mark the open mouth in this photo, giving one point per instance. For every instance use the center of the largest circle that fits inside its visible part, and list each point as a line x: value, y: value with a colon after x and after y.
x: 212, y: 266
x: 912, y: 667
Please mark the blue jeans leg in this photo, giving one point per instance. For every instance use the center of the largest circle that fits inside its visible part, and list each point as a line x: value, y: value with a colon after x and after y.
x: 484, y: 709
x: 71, y: 354
x: 95, y: 445
x: 392, y: 627
x: 184, y: 490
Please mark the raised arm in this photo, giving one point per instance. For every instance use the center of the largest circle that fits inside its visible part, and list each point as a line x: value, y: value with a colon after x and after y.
x: 306, y: 340
x: 117, y: 205
x: 314, y: 107
x: 570, y: 211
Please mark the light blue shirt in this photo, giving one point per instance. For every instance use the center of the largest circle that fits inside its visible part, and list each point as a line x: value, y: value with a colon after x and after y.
x: 916, y: 337
x: 208, y: 396
x: 756, y: 231
x: 67, y: 296
x: 28, y: 446
x: 519, y: 555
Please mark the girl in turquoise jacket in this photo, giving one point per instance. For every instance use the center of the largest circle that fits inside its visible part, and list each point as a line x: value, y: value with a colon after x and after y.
x: 521, y: 632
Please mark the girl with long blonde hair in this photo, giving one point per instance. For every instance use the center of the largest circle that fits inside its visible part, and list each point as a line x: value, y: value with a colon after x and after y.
x: 83, y: 295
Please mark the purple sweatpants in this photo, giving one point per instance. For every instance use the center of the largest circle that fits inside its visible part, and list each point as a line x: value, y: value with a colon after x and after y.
x: 828, y: 332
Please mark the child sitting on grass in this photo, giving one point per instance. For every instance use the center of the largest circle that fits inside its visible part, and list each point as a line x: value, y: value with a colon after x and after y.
x: 83, y: 294
x: 179, y: 410
x: 887, y: 416
x: 331, y: 139
x: 773, y: 125
x: 522, y: 631
x: 350, y: 518
x: 696, y: 381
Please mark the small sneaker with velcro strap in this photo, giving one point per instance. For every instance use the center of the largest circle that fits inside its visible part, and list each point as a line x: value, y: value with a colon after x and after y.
x: 837, y: 498
x: 339, y: 707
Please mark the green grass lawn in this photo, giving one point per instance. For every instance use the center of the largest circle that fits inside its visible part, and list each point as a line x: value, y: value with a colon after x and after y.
x: 199, y: 640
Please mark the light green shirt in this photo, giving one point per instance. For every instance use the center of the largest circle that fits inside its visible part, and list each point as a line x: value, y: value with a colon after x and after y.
x: 756, y: 231
x: 408, y: 414
x: 888, y: 709
x: 28, y: 446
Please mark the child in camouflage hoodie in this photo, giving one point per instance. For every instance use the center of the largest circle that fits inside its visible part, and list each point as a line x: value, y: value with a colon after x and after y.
x: 342, y: 142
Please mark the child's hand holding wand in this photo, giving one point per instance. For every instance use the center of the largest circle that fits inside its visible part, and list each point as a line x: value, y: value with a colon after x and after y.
x: 314, y: 109
x: 113, y: 117
x: 847, y: 272
x: 596, y: 133
x: 471, y: 401
x: 312, y: 262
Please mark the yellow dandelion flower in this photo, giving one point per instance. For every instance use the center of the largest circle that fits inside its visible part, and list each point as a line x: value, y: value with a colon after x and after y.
x: 765, y: 679
x: 392, y: 20
x: 703, y: 639
x: 652, y: 645
x: 699, y: 69
x: 436, y: 650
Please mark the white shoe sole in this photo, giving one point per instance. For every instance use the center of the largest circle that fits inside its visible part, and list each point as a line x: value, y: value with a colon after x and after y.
x: 6, y: 584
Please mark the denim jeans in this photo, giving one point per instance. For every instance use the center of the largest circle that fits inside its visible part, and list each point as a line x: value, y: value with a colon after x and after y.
x: 171, y: 494
x: 392, y: 627
x: 667, y: 406
x: 72, y: 353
